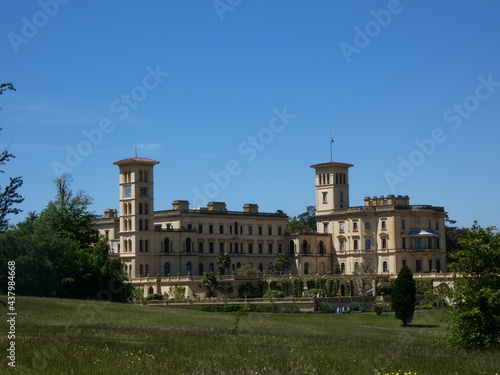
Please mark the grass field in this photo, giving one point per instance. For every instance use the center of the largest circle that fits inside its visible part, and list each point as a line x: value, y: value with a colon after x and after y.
x: 56, y: 336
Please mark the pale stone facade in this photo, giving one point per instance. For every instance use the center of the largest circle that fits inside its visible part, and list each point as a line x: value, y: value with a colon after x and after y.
x: 384, y: 234
x: 387, y: 232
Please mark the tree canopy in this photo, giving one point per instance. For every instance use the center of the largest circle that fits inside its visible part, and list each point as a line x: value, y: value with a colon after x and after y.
x: 476, y: 295
x: 59, y: 252
x: 8, y: 195
x: 303, y: 223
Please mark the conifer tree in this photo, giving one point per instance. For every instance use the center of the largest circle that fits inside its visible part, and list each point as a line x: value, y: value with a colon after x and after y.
x: 403, y: 296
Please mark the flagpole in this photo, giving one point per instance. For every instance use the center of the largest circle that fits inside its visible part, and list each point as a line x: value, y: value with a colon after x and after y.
x: 331, y: 149
x: 331, y: 153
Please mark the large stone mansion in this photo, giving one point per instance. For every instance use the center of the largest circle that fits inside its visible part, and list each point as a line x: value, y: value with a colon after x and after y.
x: 386, y: 232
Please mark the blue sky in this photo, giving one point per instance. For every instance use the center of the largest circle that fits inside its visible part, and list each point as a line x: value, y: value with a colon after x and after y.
x: 237, y: 99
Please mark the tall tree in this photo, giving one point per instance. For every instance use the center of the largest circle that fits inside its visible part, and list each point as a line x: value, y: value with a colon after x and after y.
x: 223, y: 261
x: 476, y: 310
x: 59, y: 253
x: 403, y: 296
x: 8, y: 195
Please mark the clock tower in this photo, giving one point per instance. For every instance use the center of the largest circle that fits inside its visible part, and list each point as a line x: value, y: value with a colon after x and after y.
x: 136, y: 205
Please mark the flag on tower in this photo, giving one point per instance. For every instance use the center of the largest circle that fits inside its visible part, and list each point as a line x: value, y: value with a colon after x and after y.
x: 331, y: 139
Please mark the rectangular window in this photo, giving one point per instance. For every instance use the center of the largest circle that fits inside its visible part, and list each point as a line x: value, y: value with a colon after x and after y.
x: 341, y: 197
x: 270, y: 231
x: 367, y: 225
x: 200, y: 228
x: 341, y: 227
x: 279, y: 231
x: 280, y: 248
x: 430, y: 265
x: 384, y: 243
x: 210, y: 229
x: 250, y: 230
x: 403, y: 243
x: 236, y: 248
x: 325, y: 227
x: 418, y: 265
x: 342, y: 245
x: 270, y: 248
x: 221, y: 229
x: 325, y: 197
x: 260, y: 231
x: 436, y: 225
x: 200, y: 247
x: 429, y: 243
x: 429, y: 224
x: 368, y: 244
x: 190, y: 226
x: 438, y: 265
x: 403, y: 224
x: 418, y: 243
x: 404, y: 262
x: 385, y: 266
x: 221, y: 247
x: 260, y: 248
x: 384, y: 225
x: 355, y: 244
x: 211, y: 247
x: 250, y: 248
x: 342, y: 267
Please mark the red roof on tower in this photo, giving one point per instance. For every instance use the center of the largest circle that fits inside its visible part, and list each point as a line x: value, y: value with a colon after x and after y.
x: 136, y: 161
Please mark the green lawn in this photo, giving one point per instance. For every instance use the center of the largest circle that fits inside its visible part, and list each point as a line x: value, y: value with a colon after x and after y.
x: 56, y: 336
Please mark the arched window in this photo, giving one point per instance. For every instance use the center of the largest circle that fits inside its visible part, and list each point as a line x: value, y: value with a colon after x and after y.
x: 146, y: 209
x: 166, y: 269
x: 188, y: 268
x: 130, y: 270
x: 238, y: 265
x: 211, y: 267
x: 261, y: 267
x: 151, y: 290
x: 306, y: 268
x: 321, y: 247
x: 146, y: 271
x: 188, y: 245
x: 140, y: 270
x: 355, y: 244
x: 384, y: 266
x: 292, y: 247
x: 304, y: 247
x: 200, y: 269
x: 166, y: 245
